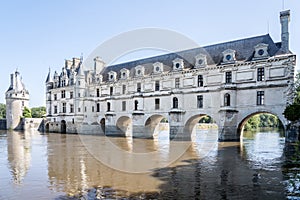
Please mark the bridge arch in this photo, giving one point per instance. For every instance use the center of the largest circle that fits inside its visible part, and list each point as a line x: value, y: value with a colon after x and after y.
x: 152, y: 124
x: 246, y: 117
x: 124, y: 124
x: 192, y: 122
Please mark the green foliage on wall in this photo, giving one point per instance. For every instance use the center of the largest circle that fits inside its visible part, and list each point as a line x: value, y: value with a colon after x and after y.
x: 292, y: 112
x: 2, y: 111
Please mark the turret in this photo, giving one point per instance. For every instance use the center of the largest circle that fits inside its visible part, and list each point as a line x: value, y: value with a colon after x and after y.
x: 17, y: 97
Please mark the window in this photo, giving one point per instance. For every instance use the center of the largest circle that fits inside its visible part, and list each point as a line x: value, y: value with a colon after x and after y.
x: 200, y: 101
x: 123, y: 105
x: 177, y: 82
x: 55, y: 97
x: 78, y: 82
x: 73, y: 121
x: 71, y: 95
x: 63, y: 94
x: 23, y: 103
x: 138, y: 87
x: 260, y: 74
x: 228, y: 77
x: 93, y: 109
x: 64, y: 109
x: 156, y: 85
x: 260, y: 98
x: 78, y: 94
x: 71, y: 108
x: 156, y: 104
x: 85, y: 109
x: 55, y: 109
x: 227, y: 99
x: 79, y: 110
x: 108, y: 106
x: 124, y: 89
x: 136, y: 105
x: 200, y: 80
x: 98, y: 107
x: 111, y: 90
x: 175, y: 102
x: 98, y: 92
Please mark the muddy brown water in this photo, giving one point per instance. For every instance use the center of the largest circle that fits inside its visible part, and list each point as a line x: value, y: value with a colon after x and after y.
x: 62, y: 166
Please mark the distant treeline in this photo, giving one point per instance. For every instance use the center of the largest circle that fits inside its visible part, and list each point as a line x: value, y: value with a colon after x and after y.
x: 36, y: 112
x: 253, y: 123
x: 262, y: 121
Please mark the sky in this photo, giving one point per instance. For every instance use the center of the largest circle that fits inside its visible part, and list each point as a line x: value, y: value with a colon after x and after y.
x: 36, y: 35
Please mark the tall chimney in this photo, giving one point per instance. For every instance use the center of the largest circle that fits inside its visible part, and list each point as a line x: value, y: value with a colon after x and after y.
x: 284, y: 20
x: 98, y: 65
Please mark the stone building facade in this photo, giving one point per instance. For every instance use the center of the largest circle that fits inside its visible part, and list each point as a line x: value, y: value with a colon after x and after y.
x: 229, y: 81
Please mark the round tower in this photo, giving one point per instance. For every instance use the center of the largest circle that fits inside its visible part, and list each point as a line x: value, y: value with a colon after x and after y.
x: 17, y: 97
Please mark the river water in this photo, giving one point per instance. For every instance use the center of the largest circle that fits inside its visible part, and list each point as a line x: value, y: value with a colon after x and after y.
x: 62, y: 166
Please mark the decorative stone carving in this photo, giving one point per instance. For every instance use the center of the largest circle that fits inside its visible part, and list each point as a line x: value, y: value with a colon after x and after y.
x: 139, y: 71
x: 112, y: 76
x: 261, y: 51
x: 158, y: 68
x: 201, y: 61
x: 178, y: 64
x: 124, y: 73
x: 229, y: 56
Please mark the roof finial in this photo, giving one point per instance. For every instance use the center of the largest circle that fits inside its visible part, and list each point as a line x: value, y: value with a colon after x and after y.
x: 81, y: 57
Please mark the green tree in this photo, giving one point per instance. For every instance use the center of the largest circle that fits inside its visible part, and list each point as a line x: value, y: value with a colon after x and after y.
x: 206, y: 119
x: 292, y: 112
x: 27, y: 113
x: 2, y: 111
x: 38, y: 112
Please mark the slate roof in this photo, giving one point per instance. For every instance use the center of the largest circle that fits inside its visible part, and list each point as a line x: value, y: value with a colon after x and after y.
x: 244, y: 52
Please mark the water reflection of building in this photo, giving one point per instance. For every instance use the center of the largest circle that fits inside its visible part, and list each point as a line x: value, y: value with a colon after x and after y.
x: 19, y: 154
x: 71, y: 168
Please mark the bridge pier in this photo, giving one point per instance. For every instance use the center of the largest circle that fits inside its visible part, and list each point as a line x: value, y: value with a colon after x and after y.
x: 110, y: 125
x: 228, y: 125
x: 139, y: 130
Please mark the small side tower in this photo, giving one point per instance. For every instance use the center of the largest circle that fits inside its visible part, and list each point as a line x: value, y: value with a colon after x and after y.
x: 17, y: 97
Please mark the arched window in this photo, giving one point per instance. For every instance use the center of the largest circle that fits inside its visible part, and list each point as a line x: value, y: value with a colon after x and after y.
x: 175, y: 102
x: 227, y: 99
x: 136, y: 104
x: 108, y: 106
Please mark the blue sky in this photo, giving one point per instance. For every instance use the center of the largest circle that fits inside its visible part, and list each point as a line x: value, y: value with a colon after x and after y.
x: 36, y: 35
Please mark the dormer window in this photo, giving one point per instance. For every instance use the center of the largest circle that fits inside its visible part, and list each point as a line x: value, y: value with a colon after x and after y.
x: 261, y: 51
x: 158, y: 67
x: 124, y: 73
x: 200, y: 61
x: 229, y: 56
x: 139, y: 70
x: 112, y: 76
x: 178, y: 64
x: 99, y: 78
